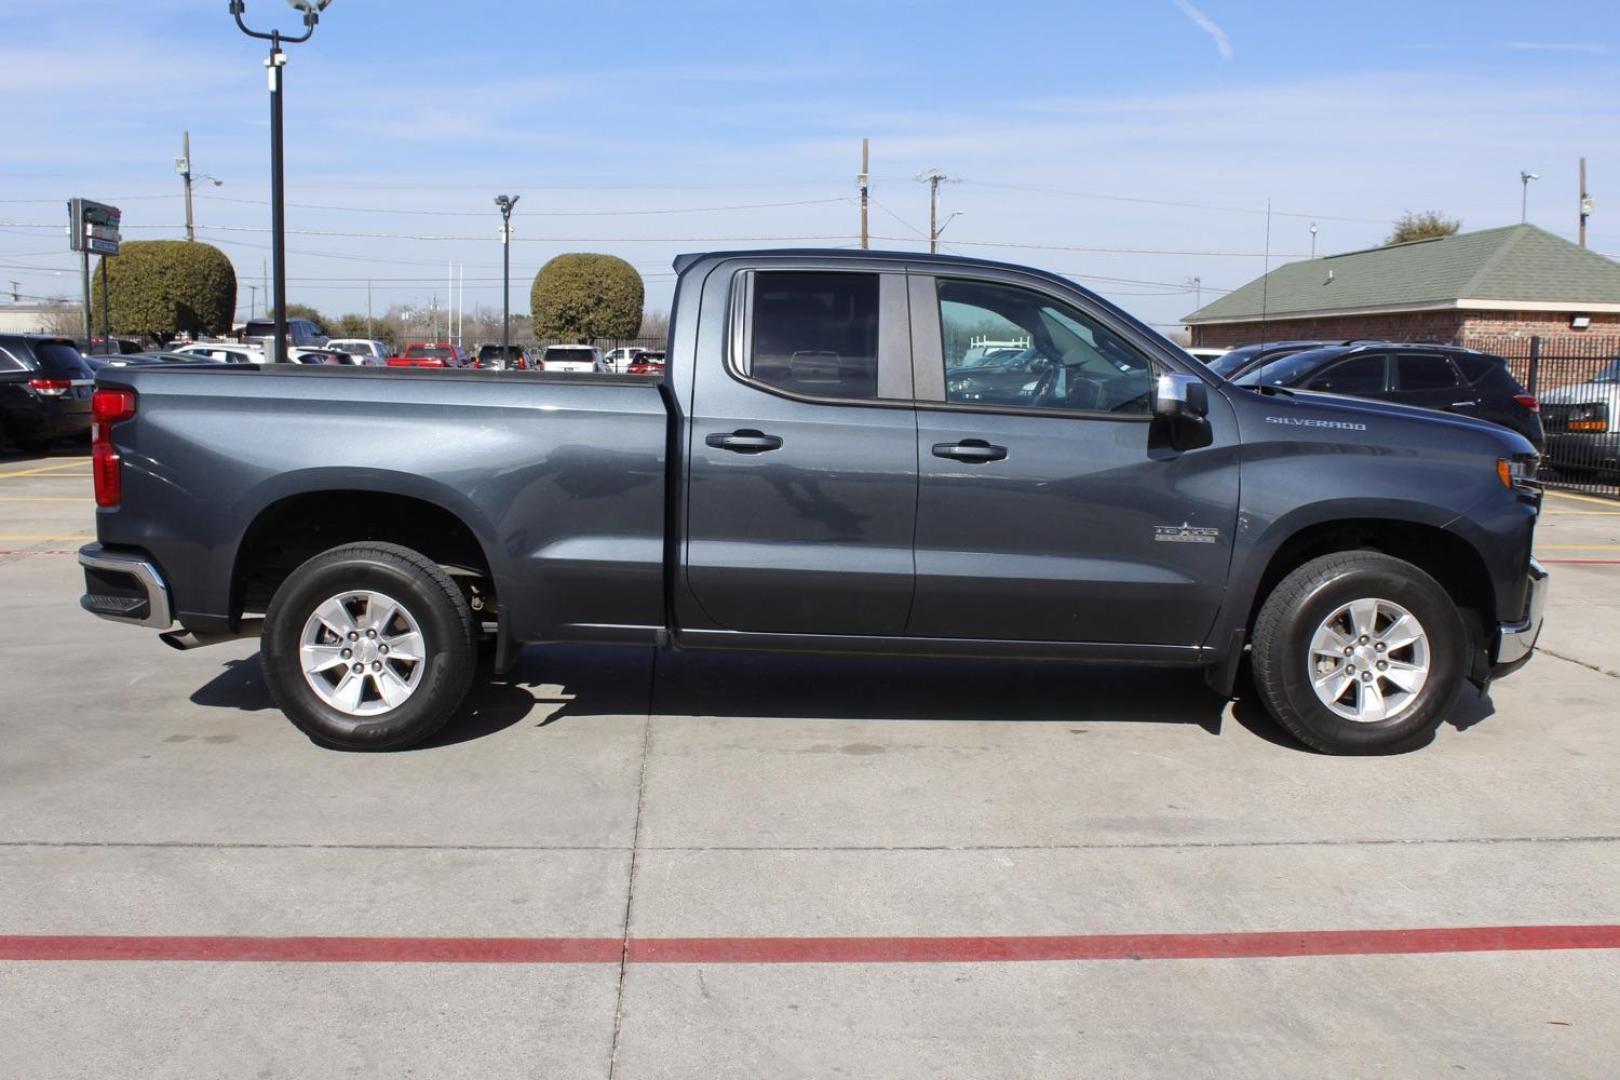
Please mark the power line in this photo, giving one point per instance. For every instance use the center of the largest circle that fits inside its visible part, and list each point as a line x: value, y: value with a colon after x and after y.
x: 536, y: 213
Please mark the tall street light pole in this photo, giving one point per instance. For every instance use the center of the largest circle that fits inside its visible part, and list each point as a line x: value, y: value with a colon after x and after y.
x: 311, y: 10
x: 506, y: 204
x: 1524, y: 197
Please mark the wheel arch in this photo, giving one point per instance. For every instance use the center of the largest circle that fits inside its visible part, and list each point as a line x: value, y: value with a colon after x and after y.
x: 308, y: 514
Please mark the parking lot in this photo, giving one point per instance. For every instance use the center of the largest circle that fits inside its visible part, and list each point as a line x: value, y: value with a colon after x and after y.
x: 621, y: 863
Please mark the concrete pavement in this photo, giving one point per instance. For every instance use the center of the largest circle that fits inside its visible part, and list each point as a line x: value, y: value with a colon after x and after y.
x: 612, y: 794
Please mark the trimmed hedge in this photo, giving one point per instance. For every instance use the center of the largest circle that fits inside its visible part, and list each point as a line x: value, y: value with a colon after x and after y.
x: 160, y: 288
x: 587, y: 296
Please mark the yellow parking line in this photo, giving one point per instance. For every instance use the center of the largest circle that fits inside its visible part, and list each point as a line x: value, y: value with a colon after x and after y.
x: 1579, y: 498
x: 46, y: 469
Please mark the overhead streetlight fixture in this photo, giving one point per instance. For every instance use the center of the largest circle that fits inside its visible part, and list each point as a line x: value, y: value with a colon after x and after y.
x: 311, y: 10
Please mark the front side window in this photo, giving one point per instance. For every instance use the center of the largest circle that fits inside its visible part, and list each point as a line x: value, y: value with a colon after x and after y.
x: 1006, y: 346
x: 1357, y: 375
x: 815, y: 333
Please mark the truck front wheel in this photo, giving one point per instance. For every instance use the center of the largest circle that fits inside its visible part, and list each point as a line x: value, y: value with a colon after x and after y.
x: 369, y: 646
x: 1359, y: 653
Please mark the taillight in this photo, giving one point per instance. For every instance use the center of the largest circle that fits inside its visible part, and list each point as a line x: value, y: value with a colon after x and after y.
x: 108, y: 407
x: 1527, y: 401
x: 50, y: 387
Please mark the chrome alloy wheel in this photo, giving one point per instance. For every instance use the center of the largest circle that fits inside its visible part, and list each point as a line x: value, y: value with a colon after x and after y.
x: 1369, y: 660
x: 362, y: 653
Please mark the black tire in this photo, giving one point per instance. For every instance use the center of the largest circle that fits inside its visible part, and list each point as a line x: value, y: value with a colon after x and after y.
x: 1304, y: 600
x: 449, y: 633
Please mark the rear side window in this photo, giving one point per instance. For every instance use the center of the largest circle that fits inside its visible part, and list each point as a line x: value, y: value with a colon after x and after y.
x: 1475, y: 367
x: 9, y: 362
x: 1357, y: 375
x: 815, y: 333
x: 1424, y: 371
x: 59, y: 359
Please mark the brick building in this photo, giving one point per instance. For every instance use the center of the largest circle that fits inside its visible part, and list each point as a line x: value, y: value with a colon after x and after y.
x: 1485, y: 289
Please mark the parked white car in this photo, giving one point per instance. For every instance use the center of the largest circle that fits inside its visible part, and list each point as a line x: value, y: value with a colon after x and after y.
x: 364, y: 350
x: 1207, y: 353
x: 573, y: 358
x: 227, y: 352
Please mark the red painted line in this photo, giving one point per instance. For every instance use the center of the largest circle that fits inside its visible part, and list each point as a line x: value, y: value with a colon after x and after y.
x: 810, y: 950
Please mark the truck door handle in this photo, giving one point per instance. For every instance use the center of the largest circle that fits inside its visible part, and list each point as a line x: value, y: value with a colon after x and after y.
x: 1463, y: 405
x: 746, y: 441
x: 970, y: 450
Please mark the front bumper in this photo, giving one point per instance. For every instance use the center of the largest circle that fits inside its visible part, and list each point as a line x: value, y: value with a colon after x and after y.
x: 124, y: 587
x: 1516, y: 641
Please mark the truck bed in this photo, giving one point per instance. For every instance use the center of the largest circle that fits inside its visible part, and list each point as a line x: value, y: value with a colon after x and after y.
x: 559, y: 478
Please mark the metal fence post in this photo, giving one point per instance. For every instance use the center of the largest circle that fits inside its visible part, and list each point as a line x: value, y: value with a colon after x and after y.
x: 1535, y: 365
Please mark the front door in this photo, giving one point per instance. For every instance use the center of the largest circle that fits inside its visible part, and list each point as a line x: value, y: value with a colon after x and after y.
x: 803, y: 459
x: 1051, y: 505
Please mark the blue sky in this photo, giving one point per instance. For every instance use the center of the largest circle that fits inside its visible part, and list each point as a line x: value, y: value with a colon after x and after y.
x: 1133, y: 145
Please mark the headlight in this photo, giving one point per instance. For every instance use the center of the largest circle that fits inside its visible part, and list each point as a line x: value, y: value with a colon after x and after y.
x: 1518, y: 473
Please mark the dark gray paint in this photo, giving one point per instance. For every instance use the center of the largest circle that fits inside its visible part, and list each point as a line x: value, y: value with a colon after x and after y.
x: 606, y: 515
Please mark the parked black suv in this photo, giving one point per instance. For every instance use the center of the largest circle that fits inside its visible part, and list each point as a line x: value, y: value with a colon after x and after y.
x: 45, y: 390
x: 491, y: 358
x: 1443, y: 377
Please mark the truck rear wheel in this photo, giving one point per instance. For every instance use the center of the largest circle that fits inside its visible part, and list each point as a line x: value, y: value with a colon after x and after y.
x: 1359, y: 653
x: 369, y: 646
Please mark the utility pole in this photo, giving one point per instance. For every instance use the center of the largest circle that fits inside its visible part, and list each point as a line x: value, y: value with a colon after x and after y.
x: 369, y: 332
x: 865, y: 180
x: 1586, y: 202
x: 14, y: 297
x: 182, y: 166
x: 933, y: 178
x: 1198, y: 292
x: 253, y: 302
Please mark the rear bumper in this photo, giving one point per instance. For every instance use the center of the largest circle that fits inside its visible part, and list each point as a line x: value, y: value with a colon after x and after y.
x: 124, y: 587
x: 1516, y: 641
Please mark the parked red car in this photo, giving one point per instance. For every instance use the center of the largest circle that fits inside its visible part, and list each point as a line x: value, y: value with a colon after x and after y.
x: 431, y: 354
x: 647, y: 362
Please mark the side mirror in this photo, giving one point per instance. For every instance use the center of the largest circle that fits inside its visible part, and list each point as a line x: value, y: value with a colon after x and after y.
x: 1180, y: 397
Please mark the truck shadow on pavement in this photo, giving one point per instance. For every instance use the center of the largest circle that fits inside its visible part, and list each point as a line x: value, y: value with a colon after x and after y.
x: 566, y: 684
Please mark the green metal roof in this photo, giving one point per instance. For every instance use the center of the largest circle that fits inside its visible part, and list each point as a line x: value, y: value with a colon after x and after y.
x: 1514, y: 264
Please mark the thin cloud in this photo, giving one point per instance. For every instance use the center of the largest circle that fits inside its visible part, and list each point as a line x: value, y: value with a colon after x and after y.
x: 1586, y: 48
x: 1208, y: 25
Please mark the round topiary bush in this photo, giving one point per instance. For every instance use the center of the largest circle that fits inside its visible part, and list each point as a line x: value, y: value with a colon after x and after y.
x: 588, y: 296
x: 160, y: 288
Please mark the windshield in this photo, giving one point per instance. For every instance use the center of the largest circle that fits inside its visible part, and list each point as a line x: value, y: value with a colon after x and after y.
x: 1610, y: 373
x: 1227, y: 364
x: 1286, y: 370
x: 429, y: 351
x: 563, y: 352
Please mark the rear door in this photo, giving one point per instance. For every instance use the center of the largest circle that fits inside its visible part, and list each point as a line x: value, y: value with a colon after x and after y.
x: 802, y: 482
x: 1051, y: 505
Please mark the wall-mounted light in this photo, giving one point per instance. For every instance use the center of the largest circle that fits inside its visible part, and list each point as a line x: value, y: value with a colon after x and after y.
x: 1580, y: 322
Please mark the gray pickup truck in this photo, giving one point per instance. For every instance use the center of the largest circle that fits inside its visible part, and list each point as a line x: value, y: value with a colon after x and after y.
x: 827, y: 465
